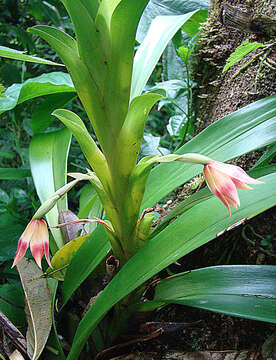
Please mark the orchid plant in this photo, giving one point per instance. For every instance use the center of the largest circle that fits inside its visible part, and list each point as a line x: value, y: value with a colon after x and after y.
x: 109, y: 79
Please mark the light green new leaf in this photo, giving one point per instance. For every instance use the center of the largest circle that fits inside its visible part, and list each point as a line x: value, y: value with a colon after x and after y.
x: 182, y: 236
x: 48, y: 158
x: 245, y: 130
x: 45, y: 84
x: 247, y: 291
x: 20, y: 55
x: 123, y: 25
x: 88, y: 257
x: 131, y: 134
x: 91, y: 151
x: 161, y: 31
x: 240, y: 52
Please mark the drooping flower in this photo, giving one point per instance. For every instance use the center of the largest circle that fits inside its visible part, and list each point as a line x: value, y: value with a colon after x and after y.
x: 37, y: 237
x: 224, y: 179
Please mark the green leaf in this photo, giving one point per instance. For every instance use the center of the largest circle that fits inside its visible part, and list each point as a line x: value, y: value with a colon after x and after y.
x: 91, y: 151
x: 92, y: 7
x: 87, y: 45
x: 164, y: 7
x: 90, y: 206
x: 123, y: 24
x: 131, y: 134
x: 15, y: 295
x: 182, y: 236
x: 151, y: 145
x: 7, y: 155
x: 45, y: 84
x: 48, y: 158
x: 183, y: 206
x: 240, y: 52
x: 191, y: 26
x: 247, y: 291
x: 20, y: 55
x: 63, y: 257
x: 262, y: 170
x: 265, y: 159
x: 88, y: 257
x: 14, y: 174
x: 42, y: 114
x: 245, y: 130
x: 176, y: 123
x: 10, y: 231
x: 162, y: 30
x: 88, y: 91
x: 54, y: 340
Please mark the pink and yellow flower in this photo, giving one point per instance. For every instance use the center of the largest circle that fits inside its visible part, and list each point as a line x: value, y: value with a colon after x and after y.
x: 224, y: 179
x: 37, y: 237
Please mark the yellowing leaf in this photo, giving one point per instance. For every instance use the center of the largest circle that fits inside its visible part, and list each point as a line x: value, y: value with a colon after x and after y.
x: 64, y: 256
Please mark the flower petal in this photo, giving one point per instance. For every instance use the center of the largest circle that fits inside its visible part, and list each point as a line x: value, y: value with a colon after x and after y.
x: 22, y: 247
x: 23, y: 242
x: 222, y: 186
x: 241, y: 185
x: 234, y: 172
x: 40, y: 236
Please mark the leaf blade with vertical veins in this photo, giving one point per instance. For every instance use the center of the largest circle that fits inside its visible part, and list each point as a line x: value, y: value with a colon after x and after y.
x: 21, y: 56
x: 237, y: 290
x: 161, y: 31
x: 48, y: 158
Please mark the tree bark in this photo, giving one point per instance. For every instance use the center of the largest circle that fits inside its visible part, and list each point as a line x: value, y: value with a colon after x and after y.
x: 228, y: 25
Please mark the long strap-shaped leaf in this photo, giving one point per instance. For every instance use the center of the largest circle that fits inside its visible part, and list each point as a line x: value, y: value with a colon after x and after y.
x: 123, y: 25
x: 45, y: 84
x: 48, y: 158
x: 90, y: 149
x: 92, y: 7
x: 239, y: 290
x: 161, y: 31
x: 245, y: 130
x: 66, y: 48
x: 131, y: 134
x: 178, y: 239
x: 90, y: 49
x: 20, y: 55
x: 91, y: 253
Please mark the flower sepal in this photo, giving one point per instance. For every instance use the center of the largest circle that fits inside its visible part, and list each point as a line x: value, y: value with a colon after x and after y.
x: 37, y: 237
x: 223, y: 181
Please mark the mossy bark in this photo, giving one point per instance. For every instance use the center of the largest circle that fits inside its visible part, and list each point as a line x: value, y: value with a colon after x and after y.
x: 219, y: 94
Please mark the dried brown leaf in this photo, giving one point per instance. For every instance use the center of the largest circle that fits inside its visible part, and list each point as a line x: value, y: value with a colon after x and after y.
x: 38, y: 306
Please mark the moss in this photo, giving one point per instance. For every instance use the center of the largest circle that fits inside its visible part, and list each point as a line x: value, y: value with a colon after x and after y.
x: 218, y: 95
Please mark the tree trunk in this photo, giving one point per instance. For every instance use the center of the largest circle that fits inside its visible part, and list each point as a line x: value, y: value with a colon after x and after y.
x: 229, y: 24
